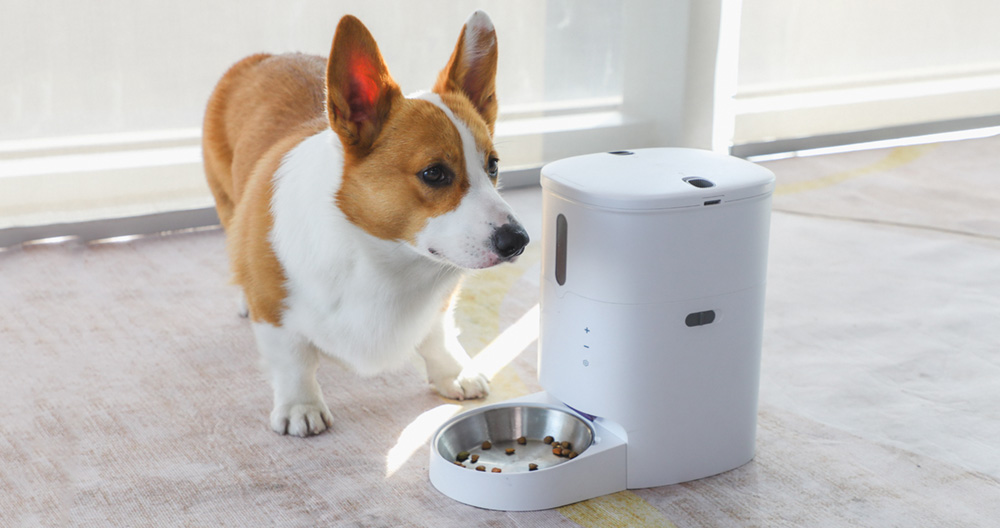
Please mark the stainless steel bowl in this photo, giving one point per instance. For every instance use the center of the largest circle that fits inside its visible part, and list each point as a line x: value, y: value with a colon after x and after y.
x: 502, y: 426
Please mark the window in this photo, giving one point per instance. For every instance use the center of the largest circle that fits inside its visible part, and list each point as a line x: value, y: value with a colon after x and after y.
x: 102, y: 116
x: 819, y: 70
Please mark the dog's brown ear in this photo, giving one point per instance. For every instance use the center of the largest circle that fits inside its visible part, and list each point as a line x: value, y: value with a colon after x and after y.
x: 472, y: 69
x: 359, y: 89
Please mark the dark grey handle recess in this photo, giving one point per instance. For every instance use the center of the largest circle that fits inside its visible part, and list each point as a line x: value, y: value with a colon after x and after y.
x: 700, y: 318
x: 561, y: 227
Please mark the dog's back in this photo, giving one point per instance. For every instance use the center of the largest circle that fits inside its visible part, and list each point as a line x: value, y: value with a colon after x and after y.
x: 263, y: 106
x: 260, y: 101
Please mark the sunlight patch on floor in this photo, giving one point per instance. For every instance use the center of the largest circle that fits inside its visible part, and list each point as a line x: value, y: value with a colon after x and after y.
x: 415, y: 435
x: 508, y: 345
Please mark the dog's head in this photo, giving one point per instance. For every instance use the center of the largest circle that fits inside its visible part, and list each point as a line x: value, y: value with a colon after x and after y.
x: 422, y: 170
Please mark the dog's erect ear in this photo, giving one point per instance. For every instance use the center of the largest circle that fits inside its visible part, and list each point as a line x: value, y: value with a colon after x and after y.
x: 472, y: 69
x: 359, y: 89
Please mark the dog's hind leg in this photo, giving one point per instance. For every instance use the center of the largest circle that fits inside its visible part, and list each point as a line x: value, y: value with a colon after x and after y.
x: 449, y: 367
x: 291, y: 363
x: 242, y: 307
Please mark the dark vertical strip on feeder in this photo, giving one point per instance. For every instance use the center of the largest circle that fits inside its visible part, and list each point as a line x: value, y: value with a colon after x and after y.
x: 561, y: 228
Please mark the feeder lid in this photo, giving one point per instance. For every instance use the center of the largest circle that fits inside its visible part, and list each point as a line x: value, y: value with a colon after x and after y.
x: 656, y: 178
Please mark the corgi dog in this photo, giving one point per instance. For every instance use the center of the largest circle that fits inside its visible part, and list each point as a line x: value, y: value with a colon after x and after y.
x: 351, y: 212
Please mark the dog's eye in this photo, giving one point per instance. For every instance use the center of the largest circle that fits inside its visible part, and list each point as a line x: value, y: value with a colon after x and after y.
x: 493, y: 169
x: 436, y: 176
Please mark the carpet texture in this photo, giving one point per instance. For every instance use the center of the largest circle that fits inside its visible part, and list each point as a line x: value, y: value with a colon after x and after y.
x: 131, y: 394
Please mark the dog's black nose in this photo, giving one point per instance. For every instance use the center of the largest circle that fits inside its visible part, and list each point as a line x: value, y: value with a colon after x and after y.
x: 509, y: 240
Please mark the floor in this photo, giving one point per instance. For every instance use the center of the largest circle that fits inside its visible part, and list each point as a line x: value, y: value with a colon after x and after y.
x: 132, y: 396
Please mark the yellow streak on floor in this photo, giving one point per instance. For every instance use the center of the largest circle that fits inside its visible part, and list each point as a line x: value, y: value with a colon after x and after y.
x: 623, y: 509
x: 896, y: 157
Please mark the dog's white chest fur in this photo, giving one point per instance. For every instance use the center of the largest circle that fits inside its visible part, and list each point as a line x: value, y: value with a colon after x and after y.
x: 366, y: 301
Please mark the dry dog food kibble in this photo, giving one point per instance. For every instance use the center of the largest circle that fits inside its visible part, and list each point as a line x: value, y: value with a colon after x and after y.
x: 567, y: 445
x: 548, y: 439
x: 510, y: 451
x: 480, y: 468
x: 459, y: 464
x: 496, y: 470
x: 557, y: 451
x: 573, y: 454
x: 487, y: 444
x: 532, y: 467
x: 462, y: 456
x: 522, y: 440
x: 474, y: 459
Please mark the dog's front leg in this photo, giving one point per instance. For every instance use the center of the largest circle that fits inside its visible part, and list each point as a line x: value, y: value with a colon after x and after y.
x: 291, y: 363
x: 449, y: 367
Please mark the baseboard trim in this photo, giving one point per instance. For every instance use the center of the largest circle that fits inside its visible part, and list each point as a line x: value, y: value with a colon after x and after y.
x: 781, y: 146
x: 106, y: 228
x: 148, y: 224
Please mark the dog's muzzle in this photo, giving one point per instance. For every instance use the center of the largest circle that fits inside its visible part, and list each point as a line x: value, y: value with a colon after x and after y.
x: 509, y: 240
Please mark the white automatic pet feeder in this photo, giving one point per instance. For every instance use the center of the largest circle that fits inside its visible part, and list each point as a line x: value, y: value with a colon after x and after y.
x: 652, y: 306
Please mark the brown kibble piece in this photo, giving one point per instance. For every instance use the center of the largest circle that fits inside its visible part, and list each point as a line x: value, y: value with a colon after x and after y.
x: 459, y: 464
x: 532, y: 467
x: 480, y: 468
x: 557, y: 451
x: 496, y: 470
x: 522, y: 440
x: 573, y: 454
x: 487, y: 444
x: 474, y: 459
x: 567, y: 445
x: 462, y: 456
x: 510, y: 451
x: 548, y: 439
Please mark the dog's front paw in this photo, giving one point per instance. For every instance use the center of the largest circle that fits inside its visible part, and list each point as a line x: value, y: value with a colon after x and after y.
x: 467, y: 385
x: 302, y: 419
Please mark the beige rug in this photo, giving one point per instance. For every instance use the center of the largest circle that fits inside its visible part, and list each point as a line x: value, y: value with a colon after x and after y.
x: 131, y: 396
x: 946, y: 187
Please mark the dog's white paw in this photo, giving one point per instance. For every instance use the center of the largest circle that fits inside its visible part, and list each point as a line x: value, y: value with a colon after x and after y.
x: 469, y: 384
x: 303, y: 419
